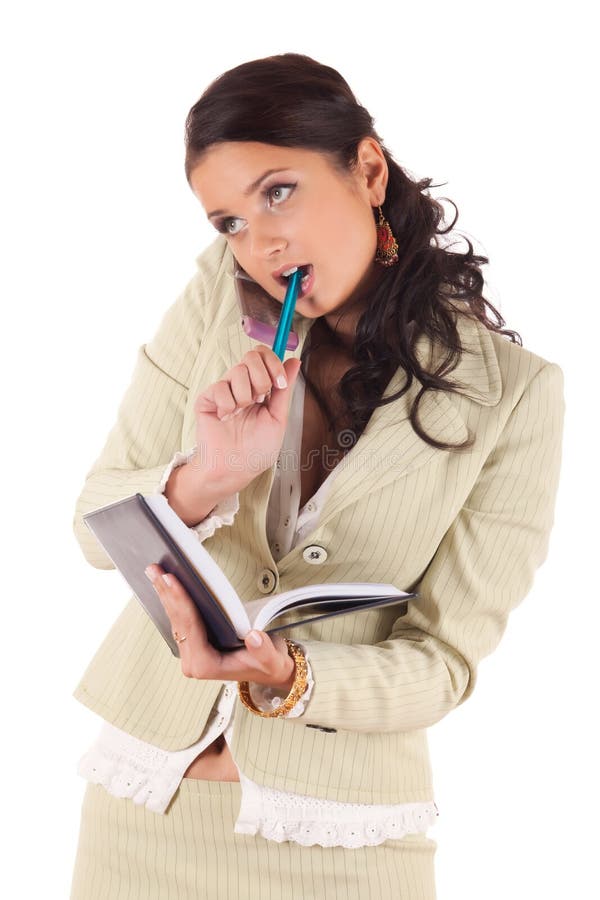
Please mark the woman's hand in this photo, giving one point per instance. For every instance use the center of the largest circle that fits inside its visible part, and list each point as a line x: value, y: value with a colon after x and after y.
x: 241, y: 419
x: 265, y: 660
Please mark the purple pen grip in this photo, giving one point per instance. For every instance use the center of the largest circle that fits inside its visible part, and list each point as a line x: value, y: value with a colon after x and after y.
x: 264, y: 333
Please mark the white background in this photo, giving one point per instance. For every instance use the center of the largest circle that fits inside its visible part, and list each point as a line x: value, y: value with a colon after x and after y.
x: 99, y: 235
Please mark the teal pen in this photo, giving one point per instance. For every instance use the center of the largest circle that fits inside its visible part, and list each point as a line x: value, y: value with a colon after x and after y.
x: 287, y: 314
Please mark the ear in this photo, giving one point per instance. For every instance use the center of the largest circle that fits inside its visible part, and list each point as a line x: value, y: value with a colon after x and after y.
x: 373, y: 169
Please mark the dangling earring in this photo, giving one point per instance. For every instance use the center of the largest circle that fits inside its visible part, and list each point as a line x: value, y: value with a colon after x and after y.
x: 387, y: 245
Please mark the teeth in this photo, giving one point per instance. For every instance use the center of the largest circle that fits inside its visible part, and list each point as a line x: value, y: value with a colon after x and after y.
x: 290, y: 271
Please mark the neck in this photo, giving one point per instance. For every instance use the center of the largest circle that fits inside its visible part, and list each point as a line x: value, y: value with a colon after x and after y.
x: 339, y: 330
x: 343, y: 322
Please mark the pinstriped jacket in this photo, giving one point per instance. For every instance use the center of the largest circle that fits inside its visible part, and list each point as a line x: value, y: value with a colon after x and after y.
x: 466, y: 529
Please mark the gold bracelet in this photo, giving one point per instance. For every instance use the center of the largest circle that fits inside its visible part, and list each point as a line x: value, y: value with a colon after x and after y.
x: 297, y: 689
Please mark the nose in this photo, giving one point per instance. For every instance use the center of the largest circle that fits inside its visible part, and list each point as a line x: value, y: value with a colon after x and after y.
x: 264, y: 244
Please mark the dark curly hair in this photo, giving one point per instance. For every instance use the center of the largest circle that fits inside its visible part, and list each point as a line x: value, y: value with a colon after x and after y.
x: 291, y: 100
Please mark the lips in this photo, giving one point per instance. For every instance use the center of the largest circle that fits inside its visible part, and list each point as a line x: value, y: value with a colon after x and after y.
x: 307, y: 283
x: 305, y: 268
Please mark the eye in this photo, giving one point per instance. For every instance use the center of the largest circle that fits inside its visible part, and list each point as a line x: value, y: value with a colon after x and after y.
x: 277, y: 191
x: 278, y: 194
x: 223, y: 226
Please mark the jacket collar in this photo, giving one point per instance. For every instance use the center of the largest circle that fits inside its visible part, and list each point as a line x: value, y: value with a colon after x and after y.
x: 477, y: 374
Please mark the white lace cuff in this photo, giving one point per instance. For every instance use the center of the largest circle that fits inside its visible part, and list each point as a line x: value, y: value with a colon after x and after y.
x: 222, y: 514
x: 267, y: 698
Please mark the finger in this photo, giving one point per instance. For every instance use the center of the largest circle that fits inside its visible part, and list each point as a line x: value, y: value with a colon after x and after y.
x: 240, y: 385
x: 180, y: 609
x: 270, y: 656
x: 234, y: 392
x: 259, y: 375
x: 275, y: 368
x: 223, y: 399
x: 279, y: 400
x: 199, y: 659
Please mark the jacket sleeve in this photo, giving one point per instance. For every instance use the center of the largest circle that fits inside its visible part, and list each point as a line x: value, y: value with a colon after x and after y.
x: 482, y: 569
x: 148, y: 428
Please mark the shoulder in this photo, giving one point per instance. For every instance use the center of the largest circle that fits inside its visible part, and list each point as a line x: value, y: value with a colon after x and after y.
x: 521, y: 367
x: 516, y: 397
x: 499, y: 367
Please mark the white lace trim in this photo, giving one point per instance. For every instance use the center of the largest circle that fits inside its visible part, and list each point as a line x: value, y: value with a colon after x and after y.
x: 222, y: 514
x: 280, y: 816
x: 147, y: 774
x: 127, y: 767
x: 267, y: 698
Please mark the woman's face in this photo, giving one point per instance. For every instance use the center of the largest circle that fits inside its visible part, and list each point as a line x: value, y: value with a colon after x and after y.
x: 304, y: 212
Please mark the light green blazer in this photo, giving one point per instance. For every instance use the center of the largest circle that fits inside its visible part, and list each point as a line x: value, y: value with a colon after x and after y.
x: 467, y: 530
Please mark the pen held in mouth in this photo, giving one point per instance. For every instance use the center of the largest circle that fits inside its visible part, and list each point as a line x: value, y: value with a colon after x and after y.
x: 287, y: 314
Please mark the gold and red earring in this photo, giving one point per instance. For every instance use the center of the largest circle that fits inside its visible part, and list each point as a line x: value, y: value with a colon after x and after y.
x: 387, y: 245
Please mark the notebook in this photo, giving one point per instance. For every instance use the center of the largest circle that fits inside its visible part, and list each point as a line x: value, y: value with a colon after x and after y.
x: 143, y: 529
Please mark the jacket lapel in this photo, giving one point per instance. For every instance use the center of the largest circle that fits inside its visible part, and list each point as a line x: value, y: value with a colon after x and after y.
x: 389, y: 448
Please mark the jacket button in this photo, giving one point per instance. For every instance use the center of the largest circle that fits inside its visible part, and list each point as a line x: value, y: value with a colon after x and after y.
x: 266, y: 581
x: 314, y: 554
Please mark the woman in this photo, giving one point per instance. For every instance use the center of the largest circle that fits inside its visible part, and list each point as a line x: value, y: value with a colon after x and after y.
x: 292, y: 766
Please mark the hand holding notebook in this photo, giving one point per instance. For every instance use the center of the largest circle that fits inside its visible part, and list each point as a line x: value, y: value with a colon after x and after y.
x: 265, y: 659
x: 144, y: 529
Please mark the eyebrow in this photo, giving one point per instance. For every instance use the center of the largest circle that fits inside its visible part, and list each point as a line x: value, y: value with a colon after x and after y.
x: 249, y: 190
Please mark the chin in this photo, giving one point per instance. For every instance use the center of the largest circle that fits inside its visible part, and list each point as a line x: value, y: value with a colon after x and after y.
x: 309, y: 307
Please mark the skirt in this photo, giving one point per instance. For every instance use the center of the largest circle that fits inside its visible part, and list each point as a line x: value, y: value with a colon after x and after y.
x: 127, y: 852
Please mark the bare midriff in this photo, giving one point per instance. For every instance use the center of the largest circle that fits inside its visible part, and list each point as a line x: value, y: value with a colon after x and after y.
x: 214, y: 764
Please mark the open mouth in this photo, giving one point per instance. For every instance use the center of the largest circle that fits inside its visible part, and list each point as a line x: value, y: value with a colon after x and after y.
x: 307, y: 277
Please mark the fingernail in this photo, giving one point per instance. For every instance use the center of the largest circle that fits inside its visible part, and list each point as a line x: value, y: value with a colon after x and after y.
x: 281, y: 381
x: 228, y: 416
x: 150, y: 573
x: 254, y: 639
x: 261, y: 398
x: 167, y: 580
